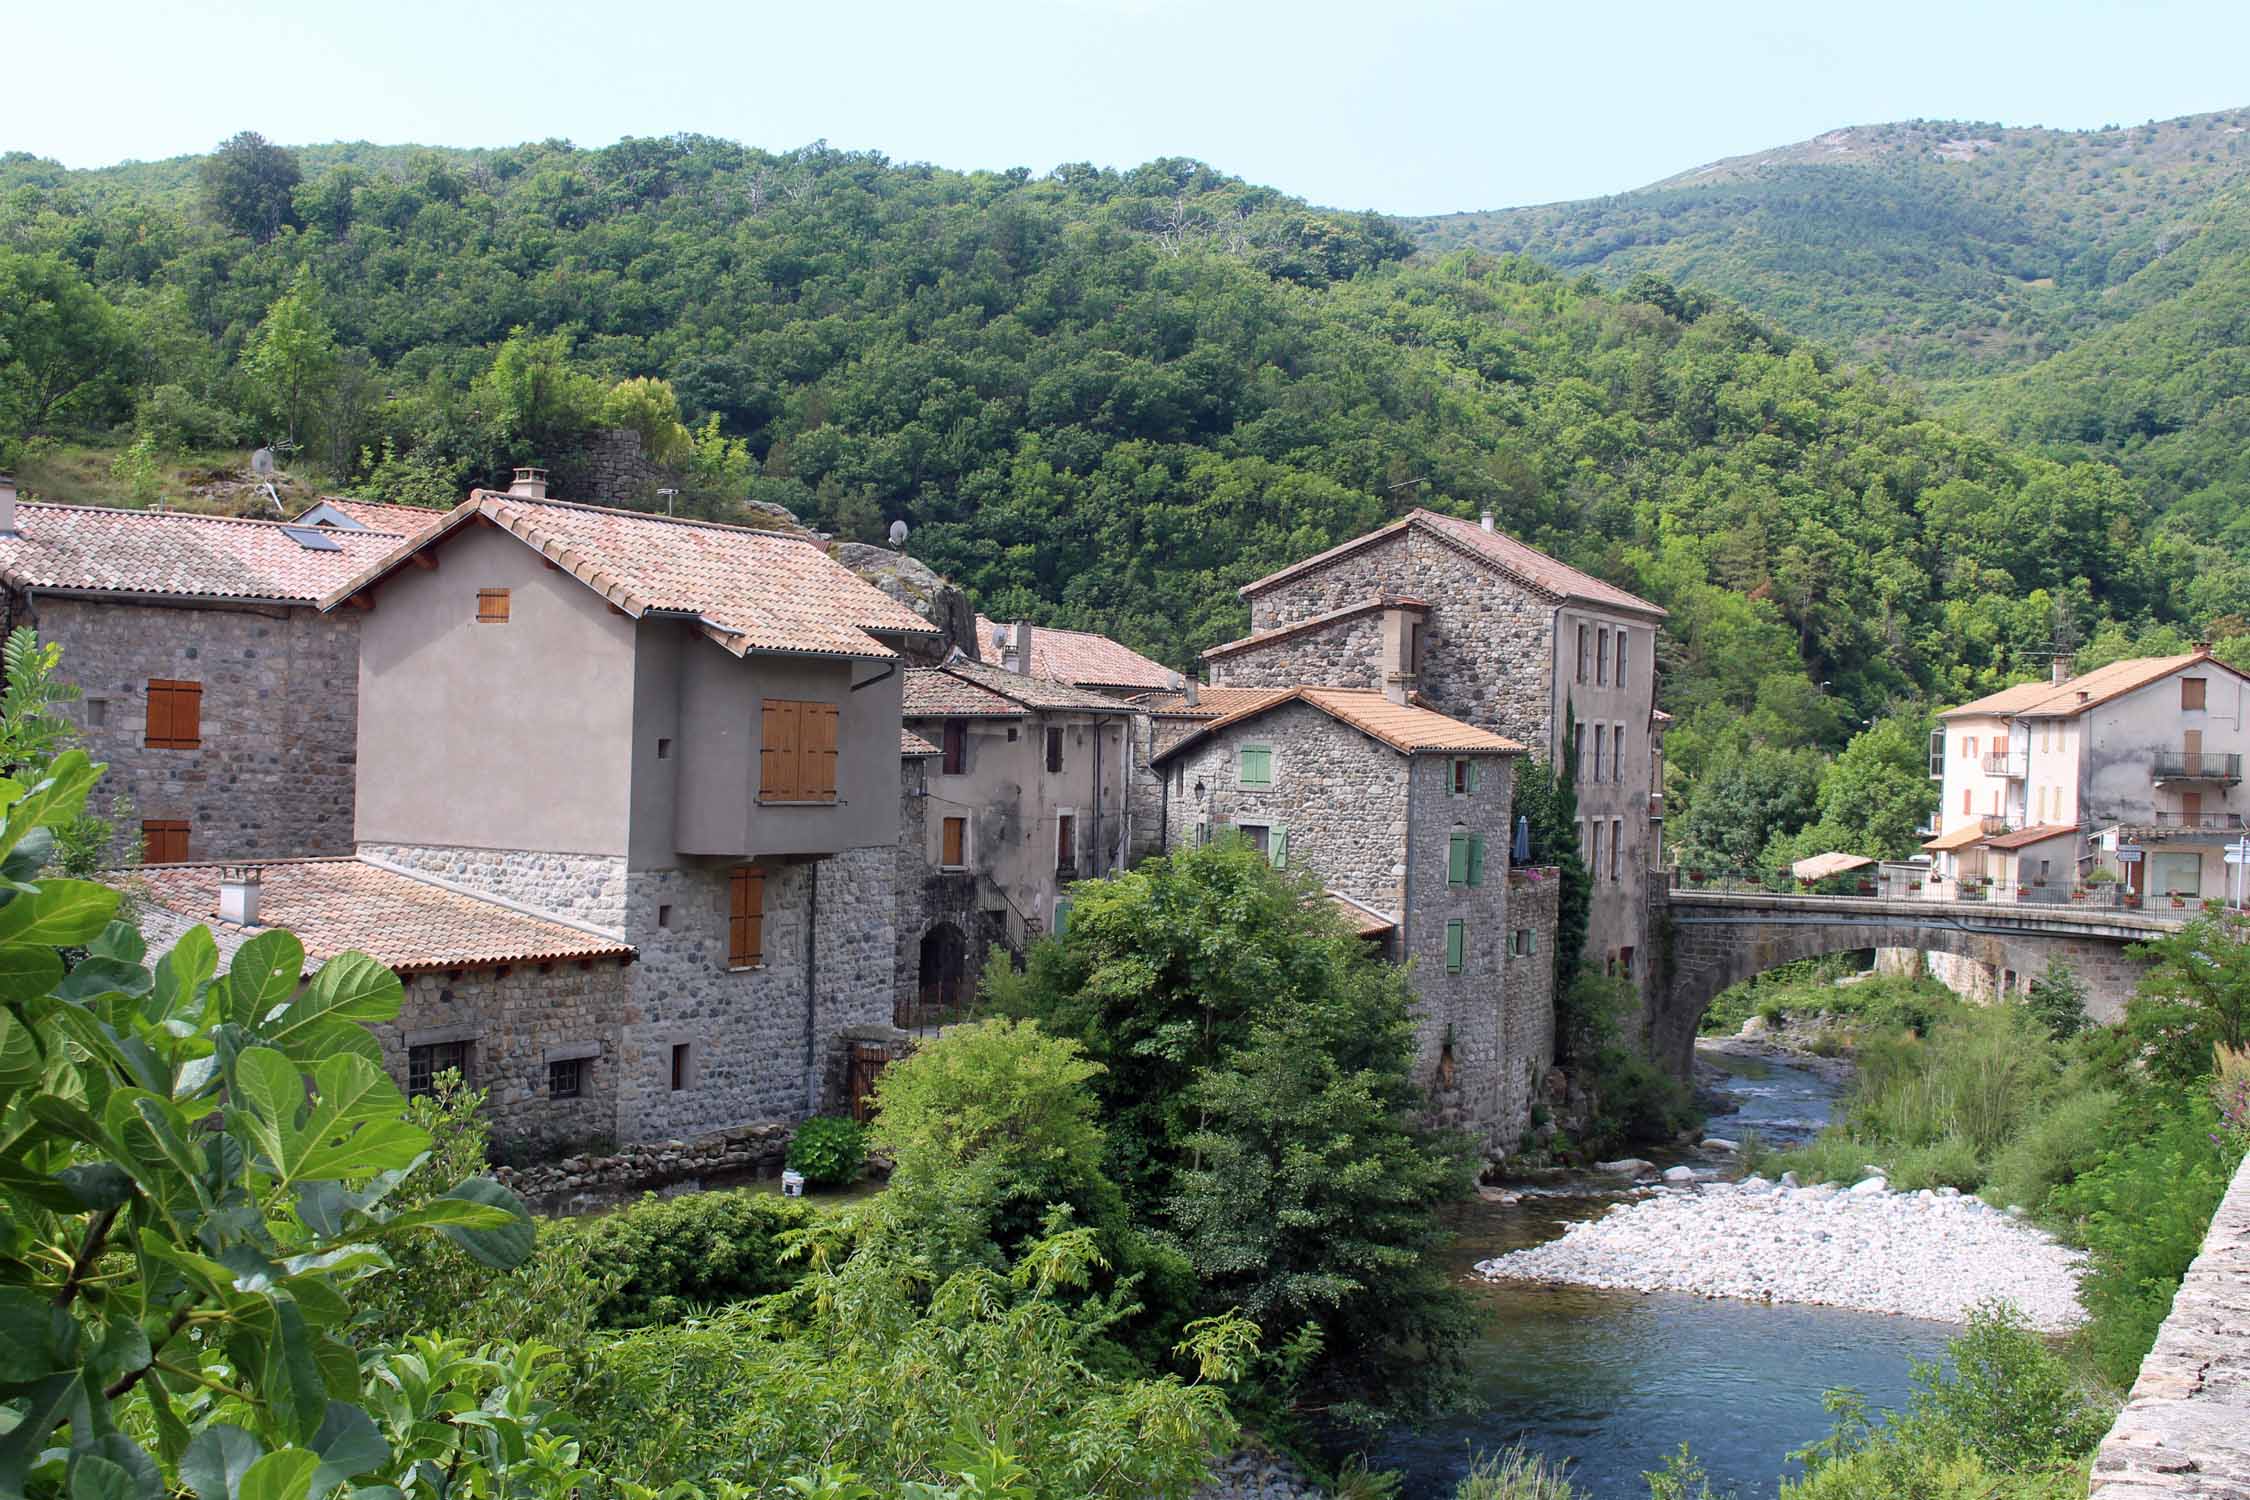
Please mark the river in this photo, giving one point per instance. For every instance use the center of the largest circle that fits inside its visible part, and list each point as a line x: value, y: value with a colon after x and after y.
x: 1613, y: 1382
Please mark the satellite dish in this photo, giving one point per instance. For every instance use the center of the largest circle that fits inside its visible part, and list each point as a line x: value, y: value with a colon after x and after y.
x: 898, y: 533
x: 999, y: 637
x: 261, y: 462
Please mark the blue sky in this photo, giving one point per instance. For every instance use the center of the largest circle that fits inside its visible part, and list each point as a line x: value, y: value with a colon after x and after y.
x: 1410, y: 107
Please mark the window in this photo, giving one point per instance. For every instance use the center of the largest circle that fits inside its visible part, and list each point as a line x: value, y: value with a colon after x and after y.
x: 424, y: 1065
x: 1011, y: 734
x: 566, y: 1078
x: 1625, y: 962
x: 663, y: 749
x: 1581, y: 653
x: 1468, y: 776
x: 797, y: 751
x: 746, y: 917
x: 492, y: 606
x: 1464, y: 860
x: 664, y: 915
x: 1617, y: 752
x: 957, y: 748
x: 1601, y: 658
x: 1616, y: 845
x: 1066, y: 842
x: 953, y: 843
x: 175, y: 715
x: 1594, y: 849
x: 1202, y: 832
x: 97, y: 712
x: 1456, y: 946
x: 164, y: 841
x: 1054, y: 750
x: 2191, y: 692
x: 1620, y: 676
x: 681, y: 1066
x: 1259, y: 835
x: 1524, y: 942
x: 1601, y: 733
x: 1254, y: 766
x: 1269, y: 839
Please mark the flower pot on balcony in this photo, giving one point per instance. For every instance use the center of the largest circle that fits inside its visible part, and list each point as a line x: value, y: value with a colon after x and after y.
x: 1867, y: 887
x: 1914, y: 885
x: 2023, y: 893
x: 1696, y: 876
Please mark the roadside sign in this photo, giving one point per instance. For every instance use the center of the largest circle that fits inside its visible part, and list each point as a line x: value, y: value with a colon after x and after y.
x: 2128, y: 854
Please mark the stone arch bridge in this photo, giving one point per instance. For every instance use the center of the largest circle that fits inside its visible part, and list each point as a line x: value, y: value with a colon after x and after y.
x: 1708, y: 940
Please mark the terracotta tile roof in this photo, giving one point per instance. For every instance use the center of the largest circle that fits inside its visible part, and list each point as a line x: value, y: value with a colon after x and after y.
x: 1961, y: 836
x: 2024, y: 838
x: 1211, y: 702
x: 2074, y: 695
x: 1315, y: 622
x: 375, y: 515
x: 334, y: 905
x: 1519, y: 559
x: 1032, y: 692
x: 1406, y: 729
x: 1361, y: 918
x: 750, y: 590
x: 912, y: 746
x: 1078, y: 657
x: 934, y: 693
x: 90, y: 549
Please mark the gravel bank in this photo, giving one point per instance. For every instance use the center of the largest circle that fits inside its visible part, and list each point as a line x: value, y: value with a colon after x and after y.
x: 1251, y: 1475
x: 1919, y: 1255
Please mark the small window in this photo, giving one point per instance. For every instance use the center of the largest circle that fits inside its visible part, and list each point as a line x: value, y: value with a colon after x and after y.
x: 424, y: 1065
x: 1054, y: 750
x: 1965, y: 793
x: 1255, y: 766
x: 566, y: 1078
x: 681, y: 1065
x: 1468, y: 775
x: 1581, y: 653
x: 164, y: 841
x: 492, y: 606
x: 956, y: 761
x: 664, y: 914
x: 1258, y: 834
x: 746, y: 917
x: 1456, y: 946
x: 1066, y: 842
x: 1011, y: 734
x: 1616, y: 845
x: 954, y: 844
x: 1617, y: 752
x: 2191, y: 692
x: 1523, y: 942
x: 1620, y: 678
x: 663, y: 749
x: 175, y: 715
x: 1269, y: 839
x: 1594, y: 848
x: 1578, y: 747
x: 1601, y: 733
x: 97, y: 712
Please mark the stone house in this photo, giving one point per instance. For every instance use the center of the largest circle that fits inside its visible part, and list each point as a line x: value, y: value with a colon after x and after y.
x: 529, y: 1009
x: 1481, y: 627
x: 1028, y: 791
x: 1403, y: 816
x: 222, y: 699
x: 678, y: 734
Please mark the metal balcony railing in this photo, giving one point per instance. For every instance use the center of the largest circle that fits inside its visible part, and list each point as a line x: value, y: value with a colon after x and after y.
x: 2014, y: 766
x: 2197, y: 765
x: 1999, y: 823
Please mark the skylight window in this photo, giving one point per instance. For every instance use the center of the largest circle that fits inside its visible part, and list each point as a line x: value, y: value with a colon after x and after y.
x: 312, y: 539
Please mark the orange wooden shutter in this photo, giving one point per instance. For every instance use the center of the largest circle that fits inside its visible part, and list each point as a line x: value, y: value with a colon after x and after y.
x: 777, y: 755
x: 819, y: 775
x: 746, y: 917
x: 952, y: 851
x: 187, y: 714
x: 164, y: 841
x: 492, y: 606
x: 159, y: 716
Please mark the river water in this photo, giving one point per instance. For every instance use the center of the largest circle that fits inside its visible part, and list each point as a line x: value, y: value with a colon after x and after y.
x: 1615, y: 1381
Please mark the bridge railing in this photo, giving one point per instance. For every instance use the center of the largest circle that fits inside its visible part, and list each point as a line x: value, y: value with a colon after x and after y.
x: 1891, y: 885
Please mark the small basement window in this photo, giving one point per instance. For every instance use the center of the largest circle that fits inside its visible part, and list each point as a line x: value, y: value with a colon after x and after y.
x: 492, y: 606
x: 566, y: 1078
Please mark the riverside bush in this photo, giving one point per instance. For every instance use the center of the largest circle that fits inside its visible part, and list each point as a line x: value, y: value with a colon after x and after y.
x: 674, y: 1255
x: 2063, y: 1140
x: 829, y: 1150
x: 1514, y: 1474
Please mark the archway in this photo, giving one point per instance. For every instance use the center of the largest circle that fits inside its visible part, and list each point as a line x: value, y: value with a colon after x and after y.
x: 940, y: 982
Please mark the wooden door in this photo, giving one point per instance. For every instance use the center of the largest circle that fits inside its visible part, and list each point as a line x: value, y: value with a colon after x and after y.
x: 2191, y: 746
x: 2191, y: 809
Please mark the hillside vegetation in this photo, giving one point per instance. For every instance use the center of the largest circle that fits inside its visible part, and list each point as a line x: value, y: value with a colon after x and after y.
x: 1102, y: 399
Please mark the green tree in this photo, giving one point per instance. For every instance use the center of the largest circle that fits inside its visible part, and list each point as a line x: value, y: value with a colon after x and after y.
x: 1878, y: 791
x: 64, y: 350
x: 649, y: 408
x: 1744, y: 798
x: 293, y: 359
x: 249, y: 185
x: 1547, y: 799
x: 2194, y: 995
x: 534, y: 399
x: 195, y: 1168
x: 34, y: 732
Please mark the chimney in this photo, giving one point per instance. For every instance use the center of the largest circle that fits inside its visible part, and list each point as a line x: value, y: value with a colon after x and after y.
x: 239, y: 895
x: 1193, y: 691
x: 1017, y: 658
x: 8, y: 505
x: 1487, y: 522
x: 529, y: 484
x: 2059, y: 668
x: 2201, y: 648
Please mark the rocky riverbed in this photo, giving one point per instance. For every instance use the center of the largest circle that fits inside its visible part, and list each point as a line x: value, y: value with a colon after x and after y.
x: 1926, y: 1254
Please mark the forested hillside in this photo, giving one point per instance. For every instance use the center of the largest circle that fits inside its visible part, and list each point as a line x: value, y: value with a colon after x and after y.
x: 1102, y: 399
x: 1944, y: 249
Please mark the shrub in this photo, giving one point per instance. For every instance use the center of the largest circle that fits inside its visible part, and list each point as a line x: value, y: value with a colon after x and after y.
x: 2057, y: 1000
x: 2006, y: 1396
x: 829, y: 1150
x: 1513, y: 1474
x: 2062, y: 1141
x: 1948, y: 1161
x: 694, y: 1251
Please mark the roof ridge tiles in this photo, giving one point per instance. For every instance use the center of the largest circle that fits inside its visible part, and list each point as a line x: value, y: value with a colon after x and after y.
x: 697, y: 523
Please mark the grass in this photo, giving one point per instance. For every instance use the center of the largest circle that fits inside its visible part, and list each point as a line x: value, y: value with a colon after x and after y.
x: 85, y: 473
x: 1513, y: 1474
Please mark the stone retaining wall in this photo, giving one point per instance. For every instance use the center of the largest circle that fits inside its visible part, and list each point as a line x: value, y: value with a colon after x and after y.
x: 2185, y: 1430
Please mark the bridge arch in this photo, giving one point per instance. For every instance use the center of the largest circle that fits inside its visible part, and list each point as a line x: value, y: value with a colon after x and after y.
x: 1711, y: 941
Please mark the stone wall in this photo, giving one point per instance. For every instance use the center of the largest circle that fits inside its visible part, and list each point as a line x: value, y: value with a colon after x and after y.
x: 1527, y: 1028
x: 2185, y: 1429
x: 519, y: 1019
x: 593, y: 1179
x: 274, y: 775
x: 1144, y: 793
x: 927, y: 895
x: 583, y: 888
x: 1346, y: 654
x: 611, y: 469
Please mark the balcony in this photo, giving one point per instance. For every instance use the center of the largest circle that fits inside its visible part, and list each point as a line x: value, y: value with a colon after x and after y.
x: 2000, y: 823
x: 2197, y: 765
x: 2014, y: 767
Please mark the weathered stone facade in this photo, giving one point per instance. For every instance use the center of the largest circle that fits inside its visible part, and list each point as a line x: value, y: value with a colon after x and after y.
x: 1527, y: 1030
x: 1345, y: 653
x: 610, y: 468
x: 274, y: 774
x: 1378, y: 826
x: 2185, y: 1431
x: 585, y: 888
x: 520, y: 1019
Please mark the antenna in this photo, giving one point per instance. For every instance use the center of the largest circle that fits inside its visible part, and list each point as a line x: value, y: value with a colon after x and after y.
x: 668, y: 494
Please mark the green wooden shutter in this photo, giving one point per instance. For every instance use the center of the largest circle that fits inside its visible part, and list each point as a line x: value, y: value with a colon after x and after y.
x: 1457, y: 860
x: 1257, y: 765
x: 1456, y: 946
x: 1476, y: 859
x: 1277, y: 845
x: 1476, y: 775
x: 1533, y: 934
x: 1062, y: 918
